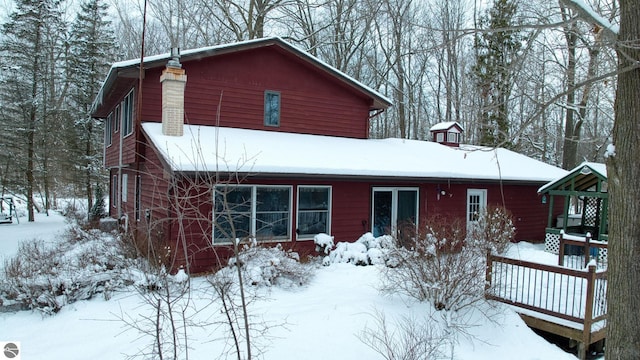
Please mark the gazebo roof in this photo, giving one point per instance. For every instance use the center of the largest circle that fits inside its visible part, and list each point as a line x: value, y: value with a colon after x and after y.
x: 584, y: 177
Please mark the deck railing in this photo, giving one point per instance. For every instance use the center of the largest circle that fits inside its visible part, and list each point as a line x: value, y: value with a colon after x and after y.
x: 573, y: 295
x: 590, y: 249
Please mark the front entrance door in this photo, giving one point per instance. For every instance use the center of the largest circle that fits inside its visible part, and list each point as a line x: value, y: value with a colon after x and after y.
x: 395, y: 210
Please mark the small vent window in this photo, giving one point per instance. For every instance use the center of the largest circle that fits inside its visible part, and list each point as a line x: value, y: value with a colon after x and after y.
x: 272, y: 108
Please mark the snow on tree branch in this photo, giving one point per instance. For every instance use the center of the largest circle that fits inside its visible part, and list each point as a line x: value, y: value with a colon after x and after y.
x: 608, y: 30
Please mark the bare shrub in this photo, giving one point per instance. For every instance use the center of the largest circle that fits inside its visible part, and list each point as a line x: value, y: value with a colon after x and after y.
x: 407, y: 338
x: 493, y: 231
x: 169, y: 315
x: 237, y: 286
x: 437, y: 266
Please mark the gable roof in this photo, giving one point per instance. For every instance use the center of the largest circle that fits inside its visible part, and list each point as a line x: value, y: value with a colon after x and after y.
x: 446, y: 126
x: 209, y: 148
x: 130, y: 68
x: 581, y: 178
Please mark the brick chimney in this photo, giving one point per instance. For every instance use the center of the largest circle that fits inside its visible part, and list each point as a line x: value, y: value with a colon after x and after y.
x: 173, y: 81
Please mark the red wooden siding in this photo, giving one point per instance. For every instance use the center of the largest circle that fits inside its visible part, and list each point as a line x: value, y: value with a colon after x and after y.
x: 351, y: 213
x: 311, y: 102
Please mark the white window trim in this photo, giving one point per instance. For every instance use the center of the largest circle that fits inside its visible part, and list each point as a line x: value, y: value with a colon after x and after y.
x: 125, y: 184
x: 138, y: 197
x: 114, y: 191
x: 306, y: 237
x: 253, y: 218
x: 439, y: 137
x: 132, y: 113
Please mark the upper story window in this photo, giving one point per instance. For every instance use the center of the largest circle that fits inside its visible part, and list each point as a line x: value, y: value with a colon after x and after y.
x: 271, y: 108
x: 107, y: 130
x: 127, y: 114
x: 117, y: 114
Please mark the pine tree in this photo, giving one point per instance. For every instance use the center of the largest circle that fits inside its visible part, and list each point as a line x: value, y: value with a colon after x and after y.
x: 97, y: 211
x: 30, y: 38
x: 92, y: 51
x: 496, y: 49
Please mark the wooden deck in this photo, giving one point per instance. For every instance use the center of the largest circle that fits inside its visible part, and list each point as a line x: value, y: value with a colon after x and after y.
x: 566, y: 302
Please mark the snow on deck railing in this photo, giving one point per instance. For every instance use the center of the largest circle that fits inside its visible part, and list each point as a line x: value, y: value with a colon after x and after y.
x: 589, y: 250
x: 574, y: 295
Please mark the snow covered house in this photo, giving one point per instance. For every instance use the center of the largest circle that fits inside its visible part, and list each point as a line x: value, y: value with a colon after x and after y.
x: 266, y: 141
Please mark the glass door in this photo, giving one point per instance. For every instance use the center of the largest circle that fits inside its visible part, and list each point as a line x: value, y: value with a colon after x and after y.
x: 394, y: 210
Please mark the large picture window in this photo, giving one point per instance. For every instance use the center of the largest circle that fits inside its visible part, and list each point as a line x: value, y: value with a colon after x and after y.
x: 127, y: 114
x: 314, y: 211
x: 272, y: 108
x: 263, y: 212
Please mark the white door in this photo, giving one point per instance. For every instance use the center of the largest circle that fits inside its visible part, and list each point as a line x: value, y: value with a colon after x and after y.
x: 476, y: 203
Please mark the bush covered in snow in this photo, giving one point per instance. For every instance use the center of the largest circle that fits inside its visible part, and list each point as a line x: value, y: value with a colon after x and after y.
x: 274, y: 266
x: 48, y: 276
x: 324, y: 243
x: 367, y: 250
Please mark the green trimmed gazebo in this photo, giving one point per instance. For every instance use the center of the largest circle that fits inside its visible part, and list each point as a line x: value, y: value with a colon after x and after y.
x: 585, y: 202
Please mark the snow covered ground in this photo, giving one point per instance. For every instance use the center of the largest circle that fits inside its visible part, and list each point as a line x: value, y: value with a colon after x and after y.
x: 322, y: 320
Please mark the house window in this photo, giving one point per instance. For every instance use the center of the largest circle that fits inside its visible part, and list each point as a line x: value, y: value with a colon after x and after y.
x: 117, y: 116
x: 107, y: 130
x: 272, y: 108
x: 263, y: 212
x: 314, y: 204
x: 125, y: 183
x: 138, y: 196
x: 453, y: 137
x: 114, y: 191
x: 439, y: 137
x: 127, y: 114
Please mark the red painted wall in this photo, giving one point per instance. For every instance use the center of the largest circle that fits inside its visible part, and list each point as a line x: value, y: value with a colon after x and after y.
x: 311, y: 102
x: 351, y: 213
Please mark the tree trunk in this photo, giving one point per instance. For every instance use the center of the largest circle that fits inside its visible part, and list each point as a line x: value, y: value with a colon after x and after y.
x: 623, y: 326
x: 570, y: 147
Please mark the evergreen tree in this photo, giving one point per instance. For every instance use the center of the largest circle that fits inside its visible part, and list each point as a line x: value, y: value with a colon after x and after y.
x: 92, y: 51
x: 28, y: 46
x: 496, y: 49
x: 97, y: 211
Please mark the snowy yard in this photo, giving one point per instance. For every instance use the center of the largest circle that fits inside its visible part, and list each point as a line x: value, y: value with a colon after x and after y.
x: 321, y: 320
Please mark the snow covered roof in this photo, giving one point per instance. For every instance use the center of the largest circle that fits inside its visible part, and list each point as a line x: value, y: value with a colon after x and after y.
x: 585, y: 170
x: 129, y: 68
x: 209, y: 148
x: 445, y: 125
